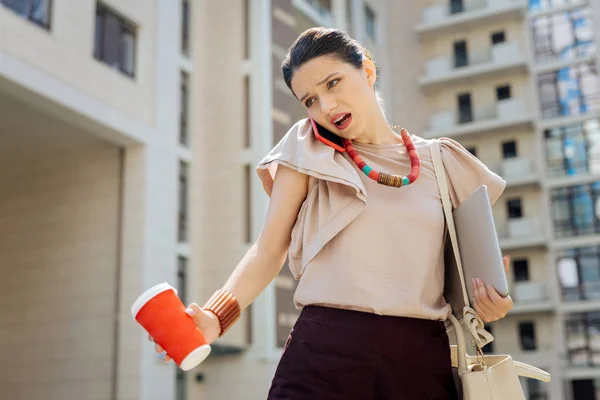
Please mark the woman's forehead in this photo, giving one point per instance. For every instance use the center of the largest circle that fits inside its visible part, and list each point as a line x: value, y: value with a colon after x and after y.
x: 314, y: 71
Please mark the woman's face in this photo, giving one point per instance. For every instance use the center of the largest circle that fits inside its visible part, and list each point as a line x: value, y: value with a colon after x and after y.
x: 337, y: 95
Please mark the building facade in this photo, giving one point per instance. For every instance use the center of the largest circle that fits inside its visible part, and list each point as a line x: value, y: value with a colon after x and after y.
x: 516, y: 83
x: 129, y: 134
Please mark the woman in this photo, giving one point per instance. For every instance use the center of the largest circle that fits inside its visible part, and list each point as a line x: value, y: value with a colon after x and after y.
x: 365, y: 246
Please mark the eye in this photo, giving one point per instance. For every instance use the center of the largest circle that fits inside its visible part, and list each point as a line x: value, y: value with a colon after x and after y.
x: 332, y: 83
x: 309, y: 102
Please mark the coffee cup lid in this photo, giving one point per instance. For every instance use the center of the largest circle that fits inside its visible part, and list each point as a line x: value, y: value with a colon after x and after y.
x: 149, y: 294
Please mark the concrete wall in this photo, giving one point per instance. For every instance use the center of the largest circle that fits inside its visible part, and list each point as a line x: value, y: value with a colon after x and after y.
x: 58, y: 260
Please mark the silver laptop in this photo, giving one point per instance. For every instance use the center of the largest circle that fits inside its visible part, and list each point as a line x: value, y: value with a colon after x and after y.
x: 478, y: 242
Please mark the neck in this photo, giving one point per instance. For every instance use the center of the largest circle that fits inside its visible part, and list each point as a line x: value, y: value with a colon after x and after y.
x: 379, y: 132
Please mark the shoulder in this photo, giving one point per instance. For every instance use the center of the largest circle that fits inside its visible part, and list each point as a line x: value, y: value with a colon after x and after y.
x: 464, y: 171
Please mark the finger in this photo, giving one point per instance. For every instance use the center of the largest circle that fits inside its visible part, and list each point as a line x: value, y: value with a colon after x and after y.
x: 506, y: 261
x: 192, y: 309
x: 485, y: 303
x: 158, y: 348
x: 167, y: 358
x: 482, y: 314
x: 504, y: 303
x: 485, y: 310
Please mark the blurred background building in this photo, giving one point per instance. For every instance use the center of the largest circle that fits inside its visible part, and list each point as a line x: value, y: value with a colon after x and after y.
x: 129, y: 134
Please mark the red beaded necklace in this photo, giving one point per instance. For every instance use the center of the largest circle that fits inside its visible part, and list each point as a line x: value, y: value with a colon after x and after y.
x: 387, y: 179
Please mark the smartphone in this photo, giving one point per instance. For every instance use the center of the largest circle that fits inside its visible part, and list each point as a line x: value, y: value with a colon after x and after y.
x: 328, y: 137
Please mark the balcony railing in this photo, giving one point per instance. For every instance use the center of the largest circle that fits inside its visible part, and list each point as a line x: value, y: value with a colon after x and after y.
x: 503, y: 113
x: 529, y: 292
x: 522, y: 233
x: 499, y: 56
x: 440, y: 13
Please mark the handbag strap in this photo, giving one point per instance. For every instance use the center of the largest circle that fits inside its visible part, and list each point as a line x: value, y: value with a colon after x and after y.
x: 440, y: 175
x: 474, y: 323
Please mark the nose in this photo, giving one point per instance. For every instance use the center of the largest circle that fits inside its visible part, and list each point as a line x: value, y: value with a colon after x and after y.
x: 327, y: 104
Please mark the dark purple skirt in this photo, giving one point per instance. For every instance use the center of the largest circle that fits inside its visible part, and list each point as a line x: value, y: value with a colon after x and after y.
x: 334, y: 354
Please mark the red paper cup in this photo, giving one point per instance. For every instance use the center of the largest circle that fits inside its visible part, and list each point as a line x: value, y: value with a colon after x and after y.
x: 162, y: 314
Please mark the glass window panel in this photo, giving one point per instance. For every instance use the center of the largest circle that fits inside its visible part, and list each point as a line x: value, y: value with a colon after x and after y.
x: 128, y: 52
x: 576, y: 210
x: 115, y: 41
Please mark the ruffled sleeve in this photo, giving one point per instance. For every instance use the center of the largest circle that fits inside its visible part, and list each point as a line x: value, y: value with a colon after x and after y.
x: 465, y: 173
x: 300, y: 150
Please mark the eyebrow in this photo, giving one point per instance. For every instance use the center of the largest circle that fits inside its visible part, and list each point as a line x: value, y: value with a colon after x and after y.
x: 318, y: 84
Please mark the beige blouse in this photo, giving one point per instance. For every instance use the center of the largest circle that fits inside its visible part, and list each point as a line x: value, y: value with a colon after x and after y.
x: 360, y: 245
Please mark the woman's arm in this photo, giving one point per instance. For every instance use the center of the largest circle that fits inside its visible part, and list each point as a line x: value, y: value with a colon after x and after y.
x: 264, y: 260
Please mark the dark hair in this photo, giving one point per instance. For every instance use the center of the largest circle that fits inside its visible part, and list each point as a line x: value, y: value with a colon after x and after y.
x: 316, y: 42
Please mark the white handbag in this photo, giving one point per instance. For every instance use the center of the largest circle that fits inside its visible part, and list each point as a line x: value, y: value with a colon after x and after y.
x: 481, y: 377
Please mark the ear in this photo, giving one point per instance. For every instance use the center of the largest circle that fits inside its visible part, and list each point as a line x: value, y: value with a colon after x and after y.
x: 370, y: 71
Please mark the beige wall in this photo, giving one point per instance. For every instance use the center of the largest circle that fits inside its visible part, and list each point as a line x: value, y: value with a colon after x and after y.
x: 58, y: 259
x: 66, y: 52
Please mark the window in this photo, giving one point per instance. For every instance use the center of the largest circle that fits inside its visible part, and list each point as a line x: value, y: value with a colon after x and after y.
x: 569, y: 91
x: 583, y: 339
x: 514, y: 208
x: 248, y: 203
x: 247, y: 18
x: 573, y: 149
x: 541, y: 5
x: 183, y: 202
x: 185, y: 27
x: 563, y: 36
x: 576, y: 210
x: 527, y: 336
x: 503, y: 92
x: 465, y: 111
x: 371, y: 23
x: 115, y: 41
x: 247, y: 132
x: 472, y: 150
x: 585, y: 389
x: 521, y: 269
x: 461, y: 58
x: 180, y: 376
x: 184, y: 109
x: 536, y: 390
x: 37, y: 11
x: 498, y: 37
x: 456, y: 6
x: 509, y: 149
x: 579, y: 273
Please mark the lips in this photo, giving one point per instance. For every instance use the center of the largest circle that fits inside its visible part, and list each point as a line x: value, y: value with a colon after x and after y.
x: 341, y: 121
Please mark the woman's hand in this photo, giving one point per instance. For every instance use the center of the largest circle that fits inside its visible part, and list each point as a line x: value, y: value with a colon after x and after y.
x: 207, y: 322
x: 488, y: 303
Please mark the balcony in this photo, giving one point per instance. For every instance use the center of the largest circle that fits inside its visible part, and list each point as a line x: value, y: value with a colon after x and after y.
x: 499, y: 60
x: 509, y: 113
x: 522, y: 233
x: 529, y: 297
x: 518, y: 171
x: 440, y: 19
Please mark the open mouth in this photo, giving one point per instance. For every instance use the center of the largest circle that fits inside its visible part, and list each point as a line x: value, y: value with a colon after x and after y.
x: 341, y: 121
